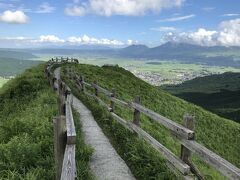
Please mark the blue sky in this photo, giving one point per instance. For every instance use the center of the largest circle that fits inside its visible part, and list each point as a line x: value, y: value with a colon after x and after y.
x: 114, y: 23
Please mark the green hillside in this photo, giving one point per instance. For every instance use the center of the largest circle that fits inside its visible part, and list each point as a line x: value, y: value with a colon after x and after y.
x: 216, y: 93
x: 27, y: 106
x: 216, y: 133
x: 11, y: 67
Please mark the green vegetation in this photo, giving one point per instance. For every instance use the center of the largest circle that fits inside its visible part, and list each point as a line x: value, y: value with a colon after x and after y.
x: 218, y: 134
x: 83, y: 153
x: 11, y: 67
x: 216, y: 93
x: 144, y: 162
x: 16, y: 54
x: 2, y: 81
x: 26, y: 134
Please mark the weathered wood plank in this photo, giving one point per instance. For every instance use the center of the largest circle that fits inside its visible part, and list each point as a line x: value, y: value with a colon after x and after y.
x: 170, y: 157
x: 136, y: 113
x: 101, y: 102
x: 71, y: 132
x: 87, y: 84
x: 59, y: 143
x: 119, y: 102
x: 226, y: 168
x: 173, y: 126
x: 121, y: 121
x: 100, y: 89
x: 69, y: 164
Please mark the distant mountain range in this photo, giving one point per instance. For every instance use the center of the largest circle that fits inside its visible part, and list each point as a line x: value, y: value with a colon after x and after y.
x: 187, y: 53
x: 182, y: 52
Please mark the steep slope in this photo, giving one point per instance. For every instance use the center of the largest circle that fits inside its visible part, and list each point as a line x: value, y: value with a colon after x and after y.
x: 217, y: 93
x: 27, y: 106
x: 214, y: 132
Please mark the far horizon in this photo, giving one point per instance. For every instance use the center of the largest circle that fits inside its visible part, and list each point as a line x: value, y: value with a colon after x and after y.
x: 117, y: 23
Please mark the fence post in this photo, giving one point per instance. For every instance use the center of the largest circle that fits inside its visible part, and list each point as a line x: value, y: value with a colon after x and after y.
x: 82, y: 83
x: 112, y: 104
x: 59, y: 143
x: 96, y: 89
x: 185, y: 152
x: 136, y: 115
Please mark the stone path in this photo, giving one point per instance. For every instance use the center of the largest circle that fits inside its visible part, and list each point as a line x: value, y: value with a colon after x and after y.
x: 105, y: 163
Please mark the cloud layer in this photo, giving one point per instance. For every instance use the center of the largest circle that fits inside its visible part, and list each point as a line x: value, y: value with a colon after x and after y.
x: 14, y: 17
x: 227, y: 35
x: 121, y: 7
x: 54, y: 40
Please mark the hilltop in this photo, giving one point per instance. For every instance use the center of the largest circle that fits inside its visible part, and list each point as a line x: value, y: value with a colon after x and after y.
x: 214, y: 132
x: 217, y: 93
x: 28, y: 106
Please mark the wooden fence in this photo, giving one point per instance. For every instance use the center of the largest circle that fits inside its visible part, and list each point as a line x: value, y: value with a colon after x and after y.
x: 64, y: 129
x: 184, y: 133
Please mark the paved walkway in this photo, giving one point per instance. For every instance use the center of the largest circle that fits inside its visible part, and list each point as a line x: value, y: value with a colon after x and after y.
x: 105, y: 163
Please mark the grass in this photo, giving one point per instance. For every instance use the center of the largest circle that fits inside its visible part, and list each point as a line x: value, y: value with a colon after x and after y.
x: 83, y: 153
x: 26, y: 134
x: 144, y: 161
x: 216, y: 133
x: 2, y: 81
x: 217, y: 93
x: 12, y: 67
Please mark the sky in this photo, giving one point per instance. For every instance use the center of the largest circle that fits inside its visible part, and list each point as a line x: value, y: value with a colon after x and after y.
x: 118, y: 23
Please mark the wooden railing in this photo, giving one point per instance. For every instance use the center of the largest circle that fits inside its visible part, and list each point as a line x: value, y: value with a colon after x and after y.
x: 64, y: 129
x: 184, y: 133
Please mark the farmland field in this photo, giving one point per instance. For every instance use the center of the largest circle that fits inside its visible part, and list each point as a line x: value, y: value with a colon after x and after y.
x: 160, y: 72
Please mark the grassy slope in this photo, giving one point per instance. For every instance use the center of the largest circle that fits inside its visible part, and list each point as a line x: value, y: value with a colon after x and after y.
x: 11, y: 67
x: 217, y: 93
x: 216, y: 133
x: 2, y: 81
x: 26, y: 133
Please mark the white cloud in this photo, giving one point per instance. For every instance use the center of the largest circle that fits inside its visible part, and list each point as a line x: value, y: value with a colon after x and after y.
x: 75, y: 11
x: 230, y: 33
x: 45, y: 8
x: 94, y: 41
x: 230, y: 15
x: 14, y: 17
x: 163, y: 28
x: 52, y: 39
x: 227, y: 35
x: 48, y: 39
x: 131, y: 42
x: 179, y: 18
x: 122, y: 7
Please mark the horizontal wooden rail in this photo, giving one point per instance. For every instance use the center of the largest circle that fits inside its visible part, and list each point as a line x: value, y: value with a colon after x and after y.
x: 185, y: 135
x: 225, y: 168
x: 98, y: 99
x: 71, y: 132
x: 100, y: 89
x: 69, y: 163
x: 177, y: 128
x: 87, y: 84
x: 171, y: 158
x: 120, y: 102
